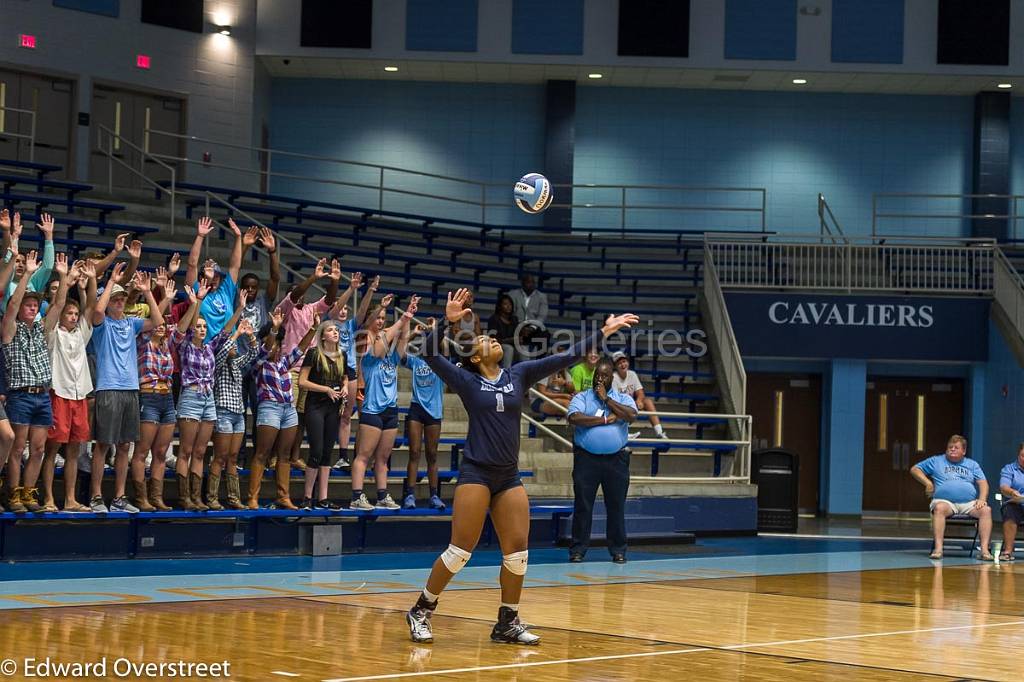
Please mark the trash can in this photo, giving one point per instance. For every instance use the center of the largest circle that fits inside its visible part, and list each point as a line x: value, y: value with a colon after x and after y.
x: 777, y: 475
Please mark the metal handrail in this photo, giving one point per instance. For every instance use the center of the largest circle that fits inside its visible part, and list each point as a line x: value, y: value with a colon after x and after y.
x: 1008, y: 291
x: 31, y: 137
x: 143, y: 155
x: 1012, y: 214
x: 835, y: 230
x: 482, y: 203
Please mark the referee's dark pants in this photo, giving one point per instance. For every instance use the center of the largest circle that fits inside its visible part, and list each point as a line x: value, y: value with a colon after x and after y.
x: 611, y: 473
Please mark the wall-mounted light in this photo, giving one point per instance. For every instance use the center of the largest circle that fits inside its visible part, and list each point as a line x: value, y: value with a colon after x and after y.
x: 595, y: 76
x: 391, y: 69
x: 799, y: 81
x: 1005, y: 86
x: 223, y: 29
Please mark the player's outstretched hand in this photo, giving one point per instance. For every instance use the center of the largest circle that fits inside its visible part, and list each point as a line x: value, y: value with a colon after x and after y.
x: 616, y: 322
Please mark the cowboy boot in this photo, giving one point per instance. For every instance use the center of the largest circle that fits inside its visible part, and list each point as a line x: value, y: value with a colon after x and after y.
x: 195, y: 484
x: 234, y: 500
x: 213, y: 491
x: 184, y: 494
x: 284, y: 478
x: 255, y: 480
x: 156, y: 494
x: 141, y: 496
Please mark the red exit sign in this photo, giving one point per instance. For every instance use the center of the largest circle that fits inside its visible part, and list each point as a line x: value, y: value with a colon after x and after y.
x: 142, y: 61
x: 26, y: 40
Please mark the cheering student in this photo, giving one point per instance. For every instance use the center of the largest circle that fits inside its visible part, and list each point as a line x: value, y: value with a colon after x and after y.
x: 489, y: 471
x: 423, y: 427
x: 6, y: 432
x: 216, y: 306
x: 347, y: 327
x: 324, y: 379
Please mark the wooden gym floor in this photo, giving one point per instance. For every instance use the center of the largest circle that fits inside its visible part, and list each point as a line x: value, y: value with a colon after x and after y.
x: 945, y: 621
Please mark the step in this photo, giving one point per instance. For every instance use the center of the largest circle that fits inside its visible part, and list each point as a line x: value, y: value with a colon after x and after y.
x: 635, y: 524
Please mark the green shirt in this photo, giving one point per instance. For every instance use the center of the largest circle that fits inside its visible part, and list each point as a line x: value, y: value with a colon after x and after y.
x: 582, y: 377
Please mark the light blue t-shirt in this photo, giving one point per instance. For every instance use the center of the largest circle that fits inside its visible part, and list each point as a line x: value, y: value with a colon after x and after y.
x: 381, y: 377
x: 427, y: 387
x: 953, y: 482
x: 1012, y: 476
x: 606, y: 439
x: 346, y: 341
x: 218, y: 306
x: 117, y: 365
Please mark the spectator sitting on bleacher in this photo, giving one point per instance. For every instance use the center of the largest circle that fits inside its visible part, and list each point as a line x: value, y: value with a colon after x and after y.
x: 1011, y: 485
x: 557, y: 387
x: 11, y: 230
x: 582, y: 374
x: 626, y: 381
x: 531, y: 308
x: 502, y: 326
x: 956, y: 486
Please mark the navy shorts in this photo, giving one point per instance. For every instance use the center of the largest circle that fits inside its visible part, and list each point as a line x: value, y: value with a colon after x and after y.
x: 388, y: 419
x: 498, y: 479
x: 350, y: 372
x: 417, y: 413
x: 1013, y: 512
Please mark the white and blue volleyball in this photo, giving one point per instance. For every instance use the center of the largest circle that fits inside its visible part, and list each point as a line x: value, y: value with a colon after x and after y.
x: 533, y: 193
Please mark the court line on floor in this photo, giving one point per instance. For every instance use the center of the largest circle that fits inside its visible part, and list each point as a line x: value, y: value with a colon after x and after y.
x: 673, y: 652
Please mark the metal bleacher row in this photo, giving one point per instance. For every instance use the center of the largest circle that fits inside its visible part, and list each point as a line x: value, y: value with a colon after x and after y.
x: 586, y: 275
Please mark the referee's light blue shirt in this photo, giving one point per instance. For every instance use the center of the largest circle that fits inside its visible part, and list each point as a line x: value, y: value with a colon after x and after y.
x: 605, y: 439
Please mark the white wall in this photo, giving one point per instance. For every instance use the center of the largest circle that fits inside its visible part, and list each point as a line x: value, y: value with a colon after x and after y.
x: 213, y: 72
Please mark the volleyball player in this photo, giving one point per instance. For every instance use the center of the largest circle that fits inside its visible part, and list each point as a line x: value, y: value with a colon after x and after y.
x: 489, y: 471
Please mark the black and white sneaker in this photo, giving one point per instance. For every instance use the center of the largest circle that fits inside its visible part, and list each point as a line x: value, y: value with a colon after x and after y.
x: 418, y: 619
x: 510, y: 630
x: 121, y: 504
x: 328, y: 505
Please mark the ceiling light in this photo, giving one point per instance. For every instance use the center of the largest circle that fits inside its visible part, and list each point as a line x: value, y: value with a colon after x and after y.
x: 1005, y: 86
x: 391, y: 69
x: 595, y: 75
x: 799, y: 81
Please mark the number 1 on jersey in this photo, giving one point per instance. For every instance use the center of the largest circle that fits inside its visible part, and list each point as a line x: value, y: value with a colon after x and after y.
x: 500, y: 398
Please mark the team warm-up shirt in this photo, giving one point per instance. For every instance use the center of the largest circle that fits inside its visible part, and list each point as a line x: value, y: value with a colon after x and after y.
x: 953, y: 482
x: 427, y: 387
x: 381, y: 377
x: 495, y: 407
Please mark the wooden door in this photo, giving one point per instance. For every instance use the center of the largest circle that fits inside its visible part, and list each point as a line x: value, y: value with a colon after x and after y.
x: 786, y: 412
x: 906, y: 420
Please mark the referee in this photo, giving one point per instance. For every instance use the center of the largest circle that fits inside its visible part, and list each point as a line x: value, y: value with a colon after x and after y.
x: 601, y: 417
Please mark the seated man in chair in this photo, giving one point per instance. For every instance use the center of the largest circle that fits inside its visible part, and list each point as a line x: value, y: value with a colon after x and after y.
x: 1011, y: 485
x: 956, y: 486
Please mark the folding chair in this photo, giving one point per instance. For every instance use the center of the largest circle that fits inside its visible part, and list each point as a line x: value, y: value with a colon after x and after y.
x: 965, y: 520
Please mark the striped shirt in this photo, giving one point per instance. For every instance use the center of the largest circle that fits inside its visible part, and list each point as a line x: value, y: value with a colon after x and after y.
x: 156, y: 364
x: 227, y: 385
x: 197, y: 362
x: 28, y: 360
x: 274, y: 379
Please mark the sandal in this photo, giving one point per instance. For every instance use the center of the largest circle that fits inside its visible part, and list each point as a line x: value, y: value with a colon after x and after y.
x: 1003, y: 556
x: 985, y: 557
x: 935, y: 555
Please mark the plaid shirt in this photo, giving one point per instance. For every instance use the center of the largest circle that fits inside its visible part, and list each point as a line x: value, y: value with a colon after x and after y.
x: 227, y: 385
x: 156, y: 365
x: 197, y: 362
x: 28, y: 360
x: 274, y: 379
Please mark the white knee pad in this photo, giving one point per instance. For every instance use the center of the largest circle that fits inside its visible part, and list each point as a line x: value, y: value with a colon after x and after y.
x: 516, y: 562
x: 455, y: 558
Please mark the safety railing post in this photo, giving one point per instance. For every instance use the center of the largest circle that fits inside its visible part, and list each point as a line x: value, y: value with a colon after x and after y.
x: 32, y: 139
x: 380, y: 190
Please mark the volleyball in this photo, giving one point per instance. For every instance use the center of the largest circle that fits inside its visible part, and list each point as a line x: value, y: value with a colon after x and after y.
x: 533, y: 193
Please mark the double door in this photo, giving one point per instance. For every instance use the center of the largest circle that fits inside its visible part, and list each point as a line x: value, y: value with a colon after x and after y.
x: 50, y: 101
x: 906, y: 420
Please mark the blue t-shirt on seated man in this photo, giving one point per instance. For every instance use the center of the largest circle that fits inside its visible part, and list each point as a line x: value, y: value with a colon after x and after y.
x: 954, y: 479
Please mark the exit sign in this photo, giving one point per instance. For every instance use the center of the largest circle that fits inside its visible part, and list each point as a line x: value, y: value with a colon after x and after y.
x: 26, y: 40
x: 142, y: 61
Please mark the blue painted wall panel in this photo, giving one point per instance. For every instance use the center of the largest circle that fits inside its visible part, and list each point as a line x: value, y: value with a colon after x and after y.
x: 109, y: 8
x: 449, y: 26
x: 844, y: 438
x: 544, y: 27
x: 867, y: 31
x: 760, y: 29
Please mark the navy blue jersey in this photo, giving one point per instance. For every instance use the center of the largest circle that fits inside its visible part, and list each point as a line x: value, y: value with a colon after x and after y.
x: 494, y: 407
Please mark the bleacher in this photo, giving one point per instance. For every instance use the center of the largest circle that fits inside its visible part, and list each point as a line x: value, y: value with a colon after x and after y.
x: 585, y: 276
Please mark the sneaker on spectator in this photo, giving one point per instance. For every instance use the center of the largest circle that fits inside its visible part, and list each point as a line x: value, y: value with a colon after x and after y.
x: 663, y: 435
x: 342, y: 464
x: 306, y: 504
x: 409, y: 502
x: 121, y: 504
x: 58, y: 461
x: 97, y: 506
x: 634, y: 435
x: 437, y: 503
x: 328, y: 505
x: 386, y: 503
x: 361, y: 503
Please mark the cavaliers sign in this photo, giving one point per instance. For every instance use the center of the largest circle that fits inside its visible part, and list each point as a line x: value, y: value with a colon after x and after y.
x: 865, y: 327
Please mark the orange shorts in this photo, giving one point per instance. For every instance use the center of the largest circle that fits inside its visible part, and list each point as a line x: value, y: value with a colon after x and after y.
x: 70, y: 420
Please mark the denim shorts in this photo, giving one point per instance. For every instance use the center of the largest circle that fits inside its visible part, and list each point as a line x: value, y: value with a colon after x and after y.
x: 157, y: 408
x: 29, y: 409
x: 195, y: 405
x: 278, y: 415
x: 230, y: 422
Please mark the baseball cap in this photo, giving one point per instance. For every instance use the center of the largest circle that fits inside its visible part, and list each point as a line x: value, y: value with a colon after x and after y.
x: 618, y: 355
x: 117, y: 289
